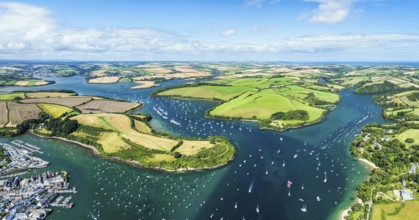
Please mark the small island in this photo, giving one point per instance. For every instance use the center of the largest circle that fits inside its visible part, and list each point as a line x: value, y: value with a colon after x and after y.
x: 107, y: 128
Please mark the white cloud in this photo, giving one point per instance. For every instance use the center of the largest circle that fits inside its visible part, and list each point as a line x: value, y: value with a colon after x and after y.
x: 30, y: 32
x: 229, y: 32
x: 253, y: 3
x: 331, y: 11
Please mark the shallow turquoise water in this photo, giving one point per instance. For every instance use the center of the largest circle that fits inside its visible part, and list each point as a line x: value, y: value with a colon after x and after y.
x: 256, y: 178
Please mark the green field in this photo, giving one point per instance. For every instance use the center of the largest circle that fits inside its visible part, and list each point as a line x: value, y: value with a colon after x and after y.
x: 411, y: 133
x: 54, y: 110
x: 11, y: 96
x: 207, y: 92
x: 258, y: 98
x: 396, y: 211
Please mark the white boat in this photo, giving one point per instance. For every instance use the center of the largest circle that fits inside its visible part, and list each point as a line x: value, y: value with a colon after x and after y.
x: 283, y: 163
x: 257, y: 208
x: 174, y: 122
x: 325, y: 177
x: 318, y: 199
x: 235, y: 205
x: 304, y: 208
x: 289, y: 192
x: 281, y: 139
x: 302, y: 187
x: 295, y: 156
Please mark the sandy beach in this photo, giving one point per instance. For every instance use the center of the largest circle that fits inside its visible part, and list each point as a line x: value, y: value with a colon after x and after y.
x: 345, y: 212
x: 369, y: 163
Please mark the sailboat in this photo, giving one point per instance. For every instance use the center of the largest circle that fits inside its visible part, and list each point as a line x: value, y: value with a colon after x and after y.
x: 304, y: 208
x: 325, y: 177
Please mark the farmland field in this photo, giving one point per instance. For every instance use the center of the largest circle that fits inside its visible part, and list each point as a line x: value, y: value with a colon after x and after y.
x: 254, y: 105
x: 411, y: 133
x: 67, y: 101
x: 207, y: 92
x: 21, y: 112
x: 401, y: 98
x: 119, y: 136
x: 142, y: 127
x: 3, y: 114
x: 37, y: 95
x: 31, y: 83
x: 258, y: 98
x: 104, y: 80
x: 122, y: 126
x: 389, y: 211
x: 54, y: 110
x: 107, y: 106
x: 193, y: 147
x: 11, y: 96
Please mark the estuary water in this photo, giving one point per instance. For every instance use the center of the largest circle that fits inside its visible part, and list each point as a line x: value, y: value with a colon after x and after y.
x: 315, y: 159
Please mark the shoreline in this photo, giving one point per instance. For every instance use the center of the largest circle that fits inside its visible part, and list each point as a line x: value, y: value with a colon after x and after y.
x: 95, y: 152
x: 369, y: 163
x: 90, y: 148
x: 344, y: 213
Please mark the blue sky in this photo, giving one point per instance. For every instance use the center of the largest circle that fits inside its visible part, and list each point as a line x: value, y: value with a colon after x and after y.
x: 211, y: 30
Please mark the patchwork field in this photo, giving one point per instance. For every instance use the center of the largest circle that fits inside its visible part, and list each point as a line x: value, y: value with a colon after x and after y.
x: 113, y: 132
x: 54, y: 110
x: 66, y: 101
x: 4, y: 118
x: 105, y: 79
x: 122, y: 126
x: 107, y: 106
x: 396, y: 211
x: 21, y: 112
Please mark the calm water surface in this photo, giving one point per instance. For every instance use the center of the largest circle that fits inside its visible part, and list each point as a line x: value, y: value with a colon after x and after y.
x: 316, y: 159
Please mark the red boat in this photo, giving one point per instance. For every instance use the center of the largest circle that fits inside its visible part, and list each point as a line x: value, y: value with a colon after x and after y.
x: 289, y: 184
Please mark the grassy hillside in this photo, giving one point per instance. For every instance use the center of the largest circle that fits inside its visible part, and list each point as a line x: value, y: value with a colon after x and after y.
x: 260, y: 98
x: 118, y: 136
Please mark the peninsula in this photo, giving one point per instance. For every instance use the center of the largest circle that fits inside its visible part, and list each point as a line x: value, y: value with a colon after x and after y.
x: 107, y: 128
